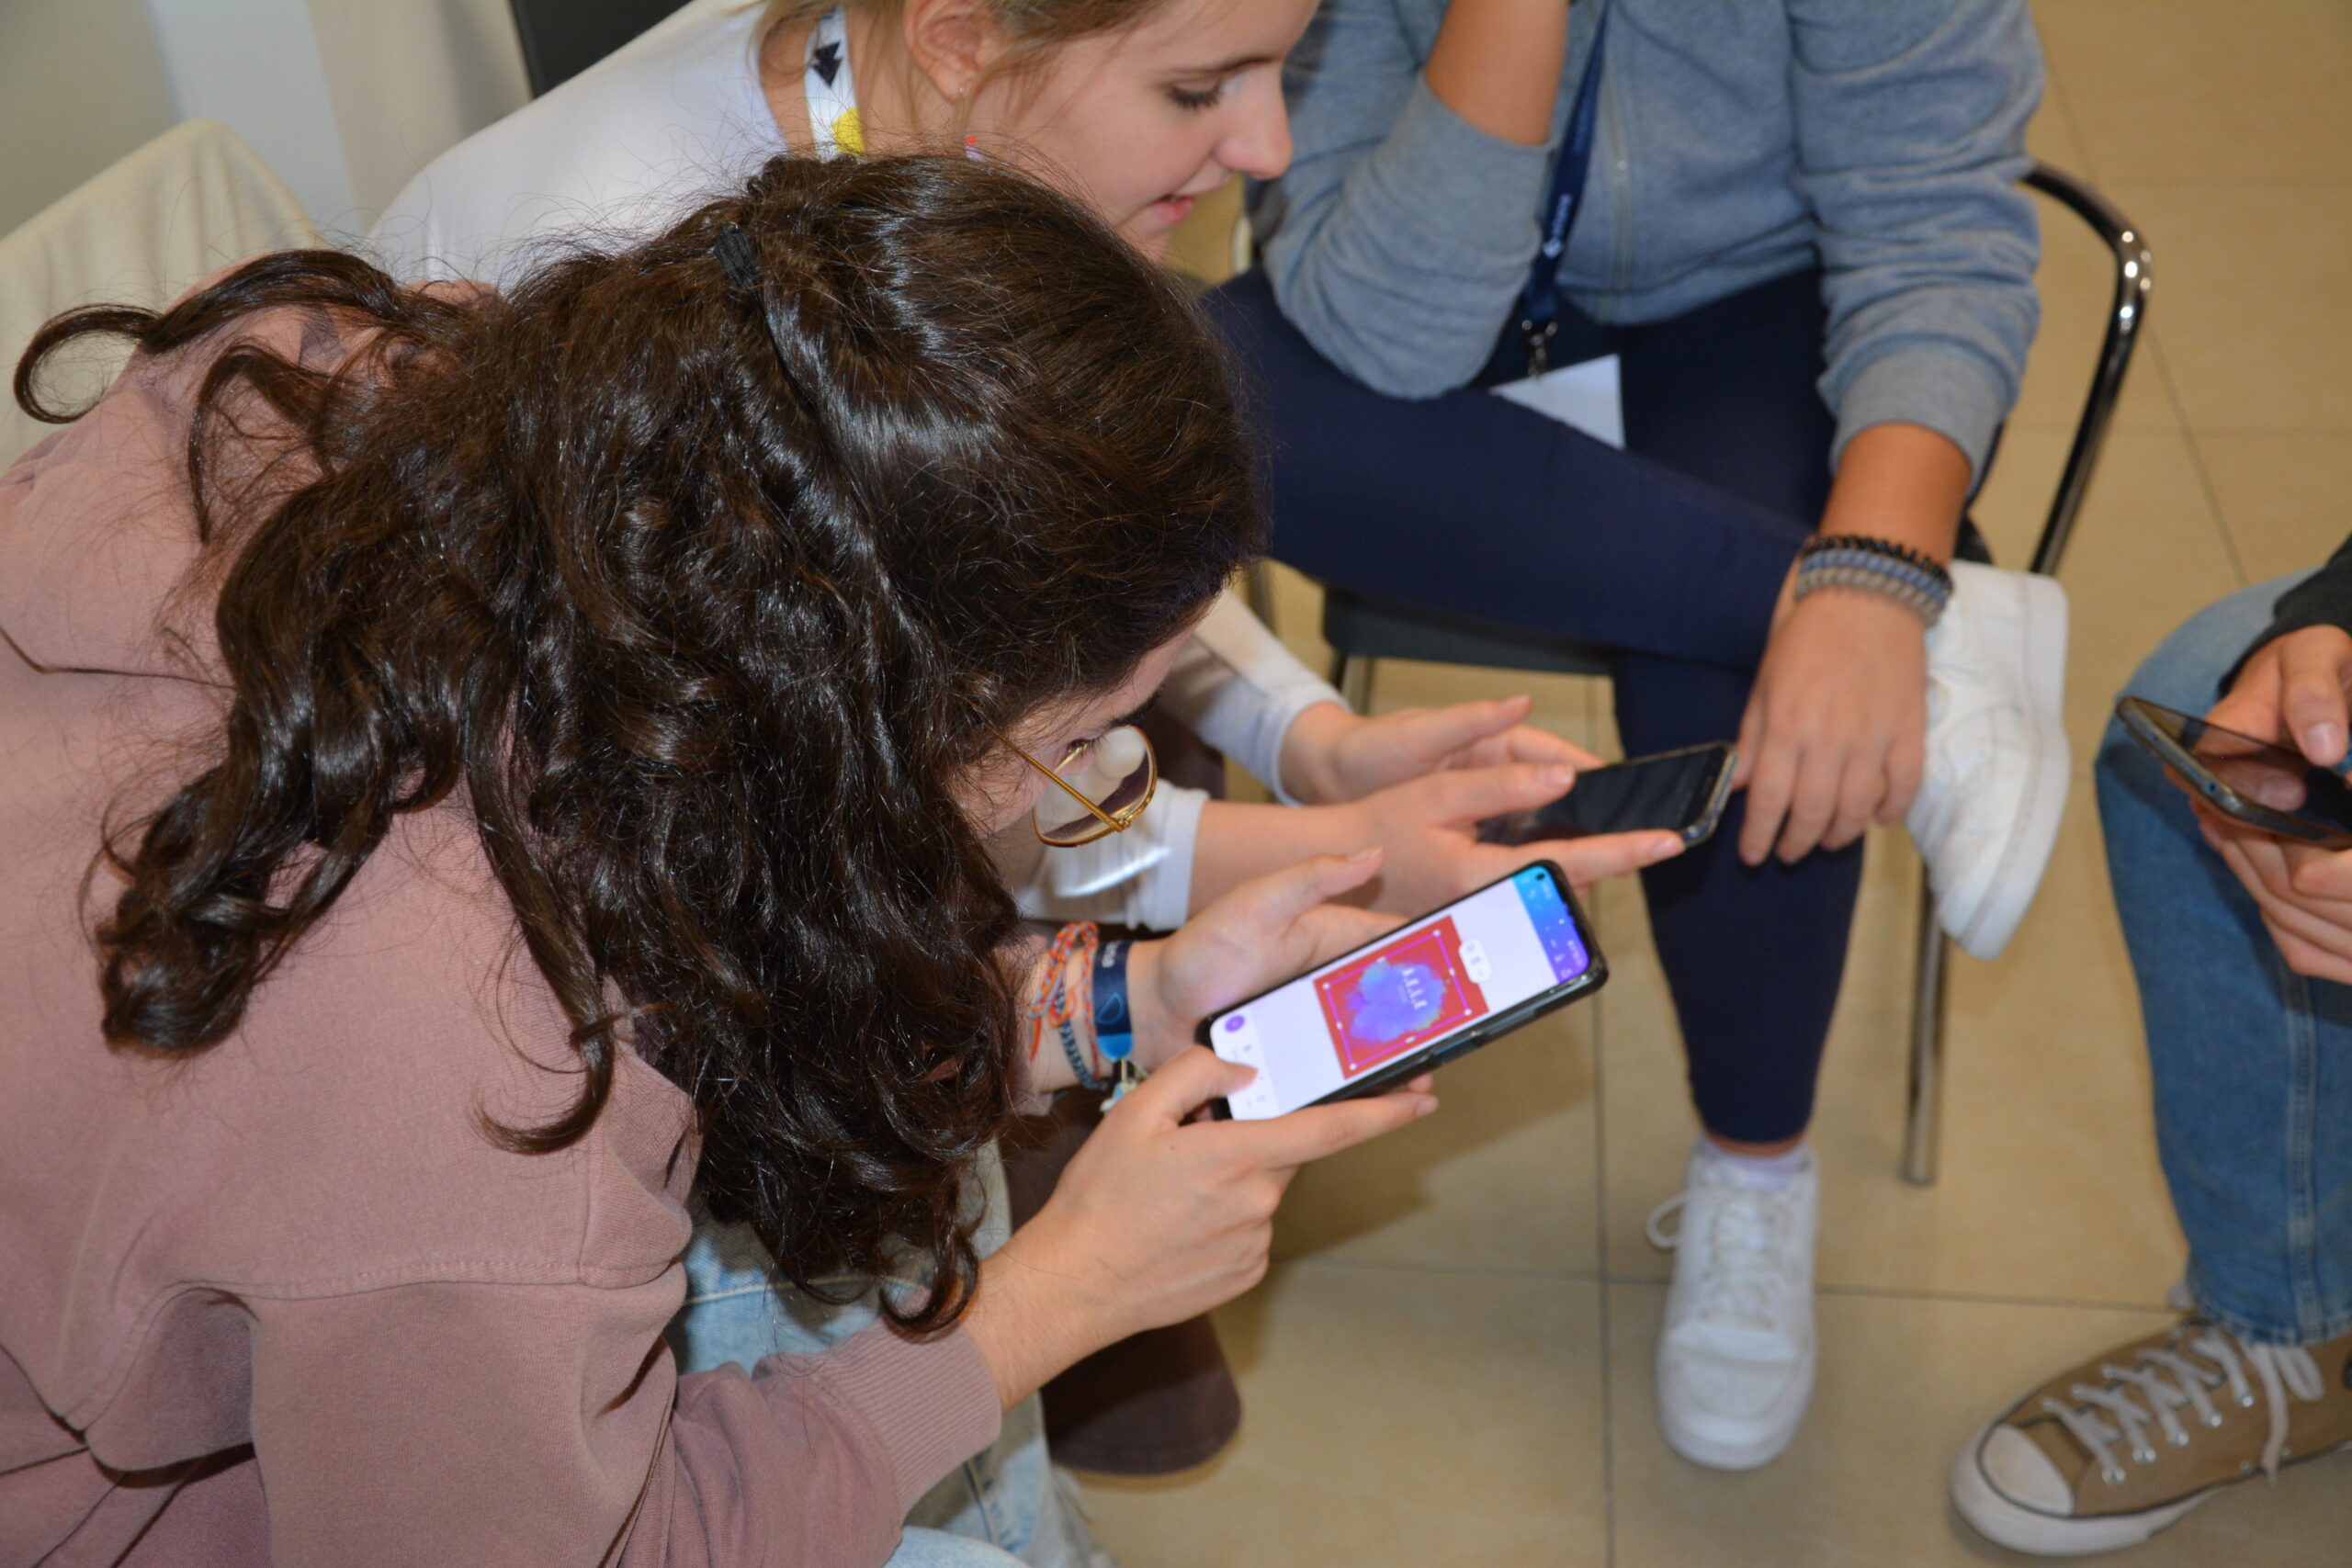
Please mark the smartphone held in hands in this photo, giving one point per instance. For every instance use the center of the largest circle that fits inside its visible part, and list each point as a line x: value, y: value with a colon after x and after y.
x: 2268, y: 788
x: 1433, y: 989
x: 1683, y: 791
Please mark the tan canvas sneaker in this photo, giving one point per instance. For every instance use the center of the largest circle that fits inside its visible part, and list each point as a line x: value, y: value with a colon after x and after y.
x: 2107, y: 1453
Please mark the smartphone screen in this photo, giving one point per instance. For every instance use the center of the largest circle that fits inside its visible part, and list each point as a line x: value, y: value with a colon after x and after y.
x: 1407, y: 996
x: 2284, y: 784
x: 1683, y: 791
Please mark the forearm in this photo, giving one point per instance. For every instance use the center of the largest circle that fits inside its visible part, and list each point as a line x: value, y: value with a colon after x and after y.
x: 1496, y: 65
x: 1241, y: 841
x: 1029, y: 1320
x: 1900, y: 482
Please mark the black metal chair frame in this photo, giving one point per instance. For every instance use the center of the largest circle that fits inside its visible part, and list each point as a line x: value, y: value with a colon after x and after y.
x: 1362, y: 629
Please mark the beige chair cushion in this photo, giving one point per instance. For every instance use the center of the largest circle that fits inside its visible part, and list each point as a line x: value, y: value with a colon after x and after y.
x: 192, y: 200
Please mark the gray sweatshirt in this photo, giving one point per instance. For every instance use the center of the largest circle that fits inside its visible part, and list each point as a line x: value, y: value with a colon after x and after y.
x: 1738, y: 141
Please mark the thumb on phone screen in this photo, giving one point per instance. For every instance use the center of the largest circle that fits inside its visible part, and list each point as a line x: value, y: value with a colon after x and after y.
x: 2314, y: 665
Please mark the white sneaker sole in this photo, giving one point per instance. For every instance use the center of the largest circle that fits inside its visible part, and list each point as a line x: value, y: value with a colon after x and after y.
x: 1994, y: 1516
x: 2004, y: 1522
x: 1754, y: 1453
x: 1984, y: 931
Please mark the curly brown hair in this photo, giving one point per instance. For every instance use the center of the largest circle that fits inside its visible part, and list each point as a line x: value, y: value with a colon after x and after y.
x: 706, y: 612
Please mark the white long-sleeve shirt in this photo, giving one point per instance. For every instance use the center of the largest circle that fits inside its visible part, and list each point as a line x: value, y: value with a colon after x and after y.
x: 642, y: 137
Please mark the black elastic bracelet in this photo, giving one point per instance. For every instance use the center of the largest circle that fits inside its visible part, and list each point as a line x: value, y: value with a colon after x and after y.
x: 1871, y: 545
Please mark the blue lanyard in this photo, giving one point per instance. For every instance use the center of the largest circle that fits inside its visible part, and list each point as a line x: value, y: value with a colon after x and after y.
x: 1540, y: 307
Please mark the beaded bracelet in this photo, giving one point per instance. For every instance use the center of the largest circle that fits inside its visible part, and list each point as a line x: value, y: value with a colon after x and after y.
x: 1916, y: 580
x: 1065, y: 1000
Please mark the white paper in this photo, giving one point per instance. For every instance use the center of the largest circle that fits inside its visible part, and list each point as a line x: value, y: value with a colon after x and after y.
x: 1583, y: 396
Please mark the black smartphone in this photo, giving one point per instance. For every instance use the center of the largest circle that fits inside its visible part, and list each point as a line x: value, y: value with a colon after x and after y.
x: 1682, y: 790
x: 1430, y: 992
x: 2263, y: 786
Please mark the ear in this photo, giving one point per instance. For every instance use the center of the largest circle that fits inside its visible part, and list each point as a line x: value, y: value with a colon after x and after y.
x: 954, y: 43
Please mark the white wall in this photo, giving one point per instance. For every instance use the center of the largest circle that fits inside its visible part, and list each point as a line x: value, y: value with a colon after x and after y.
x: 409, y: 78
x: 347, y: 99
x: 80, y: 85
x: 254, y: 64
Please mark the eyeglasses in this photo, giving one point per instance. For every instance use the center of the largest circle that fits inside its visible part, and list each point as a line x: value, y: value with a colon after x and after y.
x: 1105, y: 783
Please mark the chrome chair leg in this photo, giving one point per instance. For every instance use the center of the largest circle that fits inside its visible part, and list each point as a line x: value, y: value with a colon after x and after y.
x: 1923, y: 1116
x: 1353, y: 675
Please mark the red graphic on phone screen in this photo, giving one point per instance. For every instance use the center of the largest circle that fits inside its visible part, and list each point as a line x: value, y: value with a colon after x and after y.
x: 1398, y: 996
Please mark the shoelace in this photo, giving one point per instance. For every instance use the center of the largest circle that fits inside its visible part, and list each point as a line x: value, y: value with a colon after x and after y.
x: 1744, y: 1244
x: 2169, y: 1383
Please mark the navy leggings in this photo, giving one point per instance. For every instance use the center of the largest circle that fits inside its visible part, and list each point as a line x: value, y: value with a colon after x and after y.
x: 1671, y: 553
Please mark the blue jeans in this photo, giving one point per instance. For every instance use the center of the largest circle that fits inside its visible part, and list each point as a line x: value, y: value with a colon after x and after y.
x: 1005, y: 1505
x: 2251, y: 1062
x: 1670, y: 553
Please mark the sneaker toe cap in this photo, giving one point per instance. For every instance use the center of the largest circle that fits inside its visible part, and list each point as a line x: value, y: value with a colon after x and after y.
x: 1727, y: 1389
x: 2020, y: 1472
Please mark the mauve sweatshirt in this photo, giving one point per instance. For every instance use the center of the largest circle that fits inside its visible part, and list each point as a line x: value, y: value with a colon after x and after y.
x: 282, y: 1300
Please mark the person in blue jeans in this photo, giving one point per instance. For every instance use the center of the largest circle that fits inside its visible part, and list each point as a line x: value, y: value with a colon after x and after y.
x: 2241, y: 947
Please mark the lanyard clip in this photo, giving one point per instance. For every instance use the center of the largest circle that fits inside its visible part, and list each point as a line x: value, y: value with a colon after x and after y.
x: 1539, y: 345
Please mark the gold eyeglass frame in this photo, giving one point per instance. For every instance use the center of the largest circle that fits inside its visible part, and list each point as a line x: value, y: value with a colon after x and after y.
x: 1105, y: 822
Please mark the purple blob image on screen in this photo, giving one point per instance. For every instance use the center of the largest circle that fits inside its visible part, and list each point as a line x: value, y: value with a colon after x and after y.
x: 1393, y: 1000
x: 1233, y: 1023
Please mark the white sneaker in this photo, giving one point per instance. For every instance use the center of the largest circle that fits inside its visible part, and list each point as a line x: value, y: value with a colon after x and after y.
x: 1735, y: 1359
x: 1995, y: 785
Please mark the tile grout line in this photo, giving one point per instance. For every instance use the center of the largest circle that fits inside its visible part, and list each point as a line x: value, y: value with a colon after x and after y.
x: 2191, y: 440
x: 2151, y: 349
x: 1607, y: 1346
x: 1605, y: 1278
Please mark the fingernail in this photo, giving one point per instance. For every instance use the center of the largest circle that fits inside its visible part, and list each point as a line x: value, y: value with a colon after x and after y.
x: 1428, y: 1104
x: 1370, y: 851
x: 1666, y: 849
x: 2323, y: 740
x: 1559, y: 775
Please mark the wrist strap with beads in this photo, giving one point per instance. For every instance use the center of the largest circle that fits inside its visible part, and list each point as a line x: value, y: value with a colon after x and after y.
x: 1911, y: 578
x: 1064, y: 1004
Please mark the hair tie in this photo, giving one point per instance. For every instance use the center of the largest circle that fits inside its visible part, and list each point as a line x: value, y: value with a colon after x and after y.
x: 737, y: 259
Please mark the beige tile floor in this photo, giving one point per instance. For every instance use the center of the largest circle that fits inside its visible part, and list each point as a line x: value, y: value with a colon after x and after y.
x: 1450, y: 1364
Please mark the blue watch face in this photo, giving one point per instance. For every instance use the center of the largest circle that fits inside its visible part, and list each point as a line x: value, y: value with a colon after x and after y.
x: 1113, y: 1029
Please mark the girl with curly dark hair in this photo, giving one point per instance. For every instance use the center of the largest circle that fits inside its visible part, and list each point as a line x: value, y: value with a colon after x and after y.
x: 537, y: 751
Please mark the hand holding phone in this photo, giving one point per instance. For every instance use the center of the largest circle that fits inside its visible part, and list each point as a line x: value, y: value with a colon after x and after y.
x: 1158, y: 1218
x: 1267, y: 927
x: 1683, y: 791
x: 2294, y: 684
x: 1434, y: 990
x: 2266, y: 787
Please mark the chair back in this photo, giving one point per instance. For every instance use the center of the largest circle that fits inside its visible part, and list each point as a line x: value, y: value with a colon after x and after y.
x: 141, y: 233
x: 562, y: 38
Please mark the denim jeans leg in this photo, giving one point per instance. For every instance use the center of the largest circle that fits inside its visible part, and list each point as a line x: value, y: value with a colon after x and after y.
x: 938, y: 1549
x: 1004, y: 1495
x: 2252, y: 1064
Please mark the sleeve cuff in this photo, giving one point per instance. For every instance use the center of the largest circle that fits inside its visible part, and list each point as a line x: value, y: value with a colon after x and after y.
x: 1405, y: 281
x: 1240, y: 690
x: 1950, y: 394
x: 1433, y: 150
x: 1141, y: 877
x: 931, y: 1404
